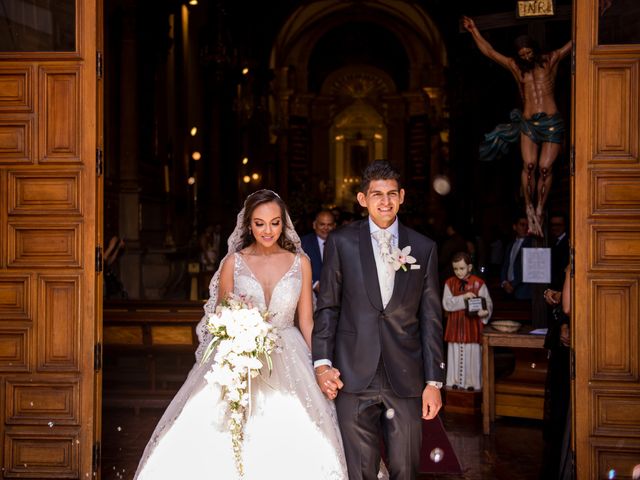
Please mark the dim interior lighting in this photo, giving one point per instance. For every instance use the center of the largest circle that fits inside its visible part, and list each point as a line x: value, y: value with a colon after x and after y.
x: 441, y: 184
x: 196, y: 156
x: 245, y: 71
x: 191, y: 180
x: 377, y: 136
x: 193, y: 2
x: 255, y: 176
x: 246, y: 179
x: 194, y: 130
x: 245, y: 160
x: 339, y: 137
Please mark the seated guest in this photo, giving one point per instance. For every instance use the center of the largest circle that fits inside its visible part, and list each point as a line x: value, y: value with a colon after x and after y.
x: 313, y: 243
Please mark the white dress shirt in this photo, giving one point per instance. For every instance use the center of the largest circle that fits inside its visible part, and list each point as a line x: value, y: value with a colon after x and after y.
x: 321, y: 247
x: 386, y: 273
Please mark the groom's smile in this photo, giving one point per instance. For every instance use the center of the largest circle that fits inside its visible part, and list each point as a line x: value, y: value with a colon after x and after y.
x: 382, y: 200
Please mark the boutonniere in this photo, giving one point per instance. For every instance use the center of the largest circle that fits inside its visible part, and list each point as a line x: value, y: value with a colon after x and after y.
x: 400, y: 259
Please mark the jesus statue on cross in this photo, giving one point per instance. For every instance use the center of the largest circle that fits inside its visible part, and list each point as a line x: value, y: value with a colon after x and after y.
x: 539, y: 127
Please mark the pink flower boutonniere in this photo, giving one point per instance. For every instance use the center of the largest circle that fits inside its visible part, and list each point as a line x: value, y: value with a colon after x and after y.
x: 400, y: 259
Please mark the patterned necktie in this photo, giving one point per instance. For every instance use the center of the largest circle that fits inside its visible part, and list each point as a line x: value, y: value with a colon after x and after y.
x: 385, y: 271
x: 384, y: 242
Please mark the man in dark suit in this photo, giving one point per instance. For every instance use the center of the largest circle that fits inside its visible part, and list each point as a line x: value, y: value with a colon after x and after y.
x: 377, y: 338
x: 313, y: 243
x: 511, y: 274
x: 559, y: 249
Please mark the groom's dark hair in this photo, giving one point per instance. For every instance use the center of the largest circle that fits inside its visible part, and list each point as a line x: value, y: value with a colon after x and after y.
x: 378, y: 170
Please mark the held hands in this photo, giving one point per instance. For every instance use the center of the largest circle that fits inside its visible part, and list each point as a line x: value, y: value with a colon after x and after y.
x: 328, y: 379
x: 431, y: 402
x: 469, y: 295
x: 483, y: 313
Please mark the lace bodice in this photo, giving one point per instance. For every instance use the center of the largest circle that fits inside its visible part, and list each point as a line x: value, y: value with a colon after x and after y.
x: 285, y: 294
x: 283, y: 302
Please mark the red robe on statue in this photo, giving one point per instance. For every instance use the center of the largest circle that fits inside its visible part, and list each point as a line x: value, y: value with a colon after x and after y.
x: 463, y: 328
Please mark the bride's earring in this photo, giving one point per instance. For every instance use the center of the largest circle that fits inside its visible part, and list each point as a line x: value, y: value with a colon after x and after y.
x: 250, y: 232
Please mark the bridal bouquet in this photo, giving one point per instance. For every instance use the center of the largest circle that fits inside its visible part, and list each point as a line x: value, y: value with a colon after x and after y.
x: 242, y: 339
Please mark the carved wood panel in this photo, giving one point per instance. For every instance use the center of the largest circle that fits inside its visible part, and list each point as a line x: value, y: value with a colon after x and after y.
x: 58, y: 328
x: 615, y: 329
x: 49, y: 410
x: 16, y: 140
x: 41, y: 402
x: 616, y: 100
x: 14, y: 349
x: 35, y: 454
x: 615, y: 246
x: 616, y: 411
x: 60, y: 116
x: 53, y: 191
x: 15, y: 87
x: 39, y: 244
x: 615, y: 193
x: 15, y: 294
x: 611, y: 454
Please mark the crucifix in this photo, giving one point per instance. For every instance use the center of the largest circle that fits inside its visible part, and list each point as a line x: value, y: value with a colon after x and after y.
x: 538, y: 127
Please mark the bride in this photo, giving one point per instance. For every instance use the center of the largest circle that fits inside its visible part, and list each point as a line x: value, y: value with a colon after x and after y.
x: 292, y: 430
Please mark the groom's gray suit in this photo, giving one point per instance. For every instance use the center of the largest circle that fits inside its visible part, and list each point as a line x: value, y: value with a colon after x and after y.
x: 385, y: 354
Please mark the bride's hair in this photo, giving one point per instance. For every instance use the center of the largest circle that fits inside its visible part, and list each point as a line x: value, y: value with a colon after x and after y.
x: 256, y: 199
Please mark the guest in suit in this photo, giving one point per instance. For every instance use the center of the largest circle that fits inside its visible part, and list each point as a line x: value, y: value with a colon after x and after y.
x: 559, y: 249
x: 511, y: 275
x: 377, y: 337
x: 313, y: 243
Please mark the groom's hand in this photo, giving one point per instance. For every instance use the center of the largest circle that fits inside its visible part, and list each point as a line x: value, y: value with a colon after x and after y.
x: 431, y: 402
x: 328, y: 379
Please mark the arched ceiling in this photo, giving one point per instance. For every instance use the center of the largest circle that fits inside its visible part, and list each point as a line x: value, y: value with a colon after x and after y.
x: 358, y: 43
x: 395, y: 29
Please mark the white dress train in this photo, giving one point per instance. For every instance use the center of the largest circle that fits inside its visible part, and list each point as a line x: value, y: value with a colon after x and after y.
x: 292, y: 431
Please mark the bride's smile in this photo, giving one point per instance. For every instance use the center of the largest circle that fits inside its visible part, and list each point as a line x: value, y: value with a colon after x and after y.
x: 266, y: 226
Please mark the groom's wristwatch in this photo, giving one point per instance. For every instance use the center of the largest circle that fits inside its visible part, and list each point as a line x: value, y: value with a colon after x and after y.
x: 438, y: 385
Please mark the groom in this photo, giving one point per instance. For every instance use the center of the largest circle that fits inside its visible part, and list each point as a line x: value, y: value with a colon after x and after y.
x: 377, y: 338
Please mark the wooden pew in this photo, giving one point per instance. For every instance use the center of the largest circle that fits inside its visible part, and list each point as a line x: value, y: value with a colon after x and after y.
x: 148, y: 351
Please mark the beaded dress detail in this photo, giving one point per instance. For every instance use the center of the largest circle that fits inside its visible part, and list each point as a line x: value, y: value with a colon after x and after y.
x: 292, y: 431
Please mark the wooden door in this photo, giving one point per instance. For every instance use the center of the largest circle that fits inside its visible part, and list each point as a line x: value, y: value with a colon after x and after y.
x: 606, y: 239
x: 48, y: 237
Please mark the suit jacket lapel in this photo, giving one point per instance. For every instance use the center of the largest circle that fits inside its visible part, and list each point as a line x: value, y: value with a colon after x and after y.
x: 368, y: 263
x: 401, y: 278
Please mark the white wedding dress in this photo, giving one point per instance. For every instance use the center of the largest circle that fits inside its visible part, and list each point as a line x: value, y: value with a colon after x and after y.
x: 292, y: 430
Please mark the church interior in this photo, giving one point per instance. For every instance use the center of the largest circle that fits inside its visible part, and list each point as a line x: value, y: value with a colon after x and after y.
x: 200, y: 103
x: 208, y: 101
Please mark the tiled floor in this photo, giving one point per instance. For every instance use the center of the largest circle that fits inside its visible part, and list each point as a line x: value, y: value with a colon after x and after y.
x: 512, y: 451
